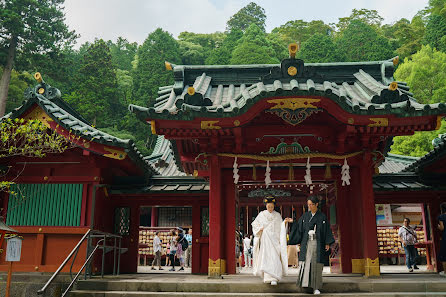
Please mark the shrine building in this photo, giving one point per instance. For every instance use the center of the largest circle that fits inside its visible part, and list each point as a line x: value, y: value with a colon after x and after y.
x: 227, y: 136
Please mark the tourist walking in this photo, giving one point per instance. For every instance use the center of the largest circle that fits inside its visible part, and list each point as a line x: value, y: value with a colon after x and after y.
x: 173, y: 249
x: 442, y: 228
x: 313, y: 233
x: 270, y: 258
x: 167, y: 254
x: 247, y: 250
x: 188, y: 237
x: 181, y: 242
x: 408, y: 238
x: 157, y: 251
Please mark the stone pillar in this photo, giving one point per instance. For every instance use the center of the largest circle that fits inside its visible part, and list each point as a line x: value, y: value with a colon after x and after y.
x: 217, y: 264
x: 370, y: 242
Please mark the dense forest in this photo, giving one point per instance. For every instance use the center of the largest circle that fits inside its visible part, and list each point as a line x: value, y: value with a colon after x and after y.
x: 102, y: 78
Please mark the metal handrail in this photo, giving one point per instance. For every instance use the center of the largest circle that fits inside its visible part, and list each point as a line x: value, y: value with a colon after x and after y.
x: 42, y: 290
x: 89, y: 234
x: 82, y: 268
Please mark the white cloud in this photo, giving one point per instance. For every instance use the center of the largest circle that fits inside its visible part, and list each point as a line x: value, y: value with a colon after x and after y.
x: 135, y: 19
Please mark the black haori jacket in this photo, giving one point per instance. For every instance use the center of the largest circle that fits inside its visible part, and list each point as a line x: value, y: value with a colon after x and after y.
x: 299, y: 235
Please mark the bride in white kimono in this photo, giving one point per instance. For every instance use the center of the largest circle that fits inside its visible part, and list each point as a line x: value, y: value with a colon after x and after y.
x: 270, y: 259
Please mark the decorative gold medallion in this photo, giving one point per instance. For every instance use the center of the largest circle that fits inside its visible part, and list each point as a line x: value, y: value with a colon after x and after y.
x: 236, y: 123
x: 350, y: 121
x: 393, y: 86
x: 292, y: 70
x: 191, y: 91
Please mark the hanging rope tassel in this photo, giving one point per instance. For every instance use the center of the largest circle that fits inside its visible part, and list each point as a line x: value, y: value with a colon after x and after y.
x: 235, y: 171
x: 268, y: 175
x: 291, y: 172
x: 345, y: 173
x: 307, y: 176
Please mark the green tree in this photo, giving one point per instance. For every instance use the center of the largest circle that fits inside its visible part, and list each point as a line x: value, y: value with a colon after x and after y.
x: 361, y: 42
x: 191, y: 53
x: 319, y: 49
x: 29, y: 27
x: 406, y: 35
x: 123, y: 53
x: 29, y: 138
x: 97, y: 95
x: 250, y: 14
x: 254, y: 48
x: 425, y: 73
x: 150, y: 72
x: 416, y: 145
x: 279, y: 47
x: 222, y: 54
x: 17, y: 86
x: 438, y: 7
x: 370, y: 17
x: 300, y: 31
x: 436, y: 32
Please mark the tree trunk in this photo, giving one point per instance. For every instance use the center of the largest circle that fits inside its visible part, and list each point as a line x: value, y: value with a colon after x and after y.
x: 6, y: 77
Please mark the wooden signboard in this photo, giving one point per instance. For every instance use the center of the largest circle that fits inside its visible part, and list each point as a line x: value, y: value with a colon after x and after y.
x: 13, y: 249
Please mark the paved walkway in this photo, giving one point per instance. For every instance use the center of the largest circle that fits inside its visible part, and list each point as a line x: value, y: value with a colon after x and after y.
x: 385, y: 269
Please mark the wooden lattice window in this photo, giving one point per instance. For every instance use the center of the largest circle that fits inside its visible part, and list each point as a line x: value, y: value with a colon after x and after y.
x: 204, y: 221
x: 122, y: 221
x: 175, y: 217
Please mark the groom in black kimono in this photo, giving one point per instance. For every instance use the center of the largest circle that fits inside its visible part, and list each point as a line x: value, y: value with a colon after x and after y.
x: 312, y: 231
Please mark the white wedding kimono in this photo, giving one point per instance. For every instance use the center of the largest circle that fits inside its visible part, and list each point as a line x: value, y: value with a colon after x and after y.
x: 270, y: 259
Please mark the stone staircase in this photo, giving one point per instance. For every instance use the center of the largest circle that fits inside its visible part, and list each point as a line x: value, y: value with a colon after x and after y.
x: 244, y: 285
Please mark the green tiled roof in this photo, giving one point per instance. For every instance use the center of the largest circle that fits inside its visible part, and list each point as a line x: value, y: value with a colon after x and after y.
x: 399, y: 182
x: 70, y: 120
x: 163, y: 158
x: 224, y: 91
x: 396, y: 163
x: 163, y: 184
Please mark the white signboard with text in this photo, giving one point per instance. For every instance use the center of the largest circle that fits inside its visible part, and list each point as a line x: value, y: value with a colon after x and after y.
x: 13, y: 249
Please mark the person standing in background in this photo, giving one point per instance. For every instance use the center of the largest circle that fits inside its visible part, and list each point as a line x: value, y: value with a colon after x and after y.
x: 157, y: 251
x: 173, y: 249
x: 408, y: 238
x: 180, y: 250
x: 247, y: 250
x: 188, y: 237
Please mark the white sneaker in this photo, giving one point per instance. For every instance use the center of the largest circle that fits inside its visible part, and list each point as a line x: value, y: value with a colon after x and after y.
x: 316, y: 292
x: 273, y: 283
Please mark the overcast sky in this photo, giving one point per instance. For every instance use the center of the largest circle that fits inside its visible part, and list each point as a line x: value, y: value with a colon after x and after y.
x: 135, y: 19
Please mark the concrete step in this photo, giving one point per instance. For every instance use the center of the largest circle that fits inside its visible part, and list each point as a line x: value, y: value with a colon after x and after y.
x: 217, y: 294
x: 232, y: 286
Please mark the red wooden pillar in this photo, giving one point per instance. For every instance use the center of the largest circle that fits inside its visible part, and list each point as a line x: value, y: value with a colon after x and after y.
x: 217, y: 264
x: 434, y: 210
x: 345, y: 231
x: 370, y: 242
x: 229, y: 220
x: 154, y: 217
